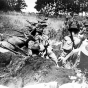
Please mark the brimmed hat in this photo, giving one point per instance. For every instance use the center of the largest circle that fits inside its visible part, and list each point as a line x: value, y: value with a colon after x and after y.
x: 43, y: 25
x: 68, y: 44
x: 75, y: 30
x: 86, y: 24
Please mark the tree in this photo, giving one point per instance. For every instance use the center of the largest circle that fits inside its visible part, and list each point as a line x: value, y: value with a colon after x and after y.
x: 16, y: 5
x: 4, y: 5
x: 42, y: 3
x: 55, y: 6
x: 20, y: 4
x: 84, y: 5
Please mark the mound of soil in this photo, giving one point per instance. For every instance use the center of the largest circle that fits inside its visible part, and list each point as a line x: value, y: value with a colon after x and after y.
x: 38, y: 70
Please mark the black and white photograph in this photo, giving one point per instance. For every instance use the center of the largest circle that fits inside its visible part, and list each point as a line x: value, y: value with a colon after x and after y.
x: 43, y: 43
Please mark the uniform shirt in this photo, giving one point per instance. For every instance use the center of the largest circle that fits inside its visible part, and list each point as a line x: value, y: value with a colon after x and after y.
x: 41, y: 39
x: 79, y: 57
x: 38, y: 38
x: 30, y: 44
x: 67, y: 46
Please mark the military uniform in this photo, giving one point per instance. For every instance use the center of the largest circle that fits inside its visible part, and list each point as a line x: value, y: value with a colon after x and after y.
x: 79, y: 56
x: 68, y: 47
x: 30, y: 45
x: 37, y: 46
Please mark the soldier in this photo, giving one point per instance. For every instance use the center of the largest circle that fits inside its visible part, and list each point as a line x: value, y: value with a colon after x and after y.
x: 45, y: 49
x: 40, y: 46
x: 74, y: 34
x: 67, y: 46
x: 38, y: 36
x: 35, y: 47
x: 79, y: 56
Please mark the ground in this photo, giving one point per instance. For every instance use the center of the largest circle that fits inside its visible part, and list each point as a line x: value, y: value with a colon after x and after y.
x: 37, y: 70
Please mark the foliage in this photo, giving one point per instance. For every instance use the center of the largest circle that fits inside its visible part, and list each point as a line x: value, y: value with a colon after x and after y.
x: 20, y: 5
x: 41, y: 3
x: 52, y: 34
x: 12, y: 5
x: 53, y: 7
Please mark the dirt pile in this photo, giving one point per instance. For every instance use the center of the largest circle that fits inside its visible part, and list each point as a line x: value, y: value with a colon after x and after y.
x: 36, y: 70
x: 44, y: 70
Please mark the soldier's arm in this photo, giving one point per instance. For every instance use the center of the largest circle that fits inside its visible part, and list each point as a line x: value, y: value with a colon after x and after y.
x: 71, y: 53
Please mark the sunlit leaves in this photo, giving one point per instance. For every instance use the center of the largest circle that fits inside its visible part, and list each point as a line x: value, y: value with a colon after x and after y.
x: 16, y: 5
x: 52, y: 7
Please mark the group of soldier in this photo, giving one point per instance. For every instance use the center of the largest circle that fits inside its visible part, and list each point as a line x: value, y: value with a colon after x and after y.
x: 71, y: 46
x: 41, y: 46
x: 75, y: 45
x: 37, y: 43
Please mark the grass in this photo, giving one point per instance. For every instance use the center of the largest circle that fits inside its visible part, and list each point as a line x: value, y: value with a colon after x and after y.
x: 13, y: 20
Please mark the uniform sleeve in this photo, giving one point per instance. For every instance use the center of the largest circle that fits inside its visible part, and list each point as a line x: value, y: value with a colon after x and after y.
x: 73, y: 53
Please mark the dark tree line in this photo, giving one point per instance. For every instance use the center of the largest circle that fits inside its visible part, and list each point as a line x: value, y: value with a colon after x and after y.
x: 54, y: 6
x: 16, y: 5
